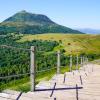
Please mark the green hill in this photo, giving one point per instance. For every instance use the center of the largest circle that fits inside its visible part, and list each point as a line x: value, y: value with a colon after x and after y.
x: 16, y: 61
x: 71, y: 43
x: 28, y: 23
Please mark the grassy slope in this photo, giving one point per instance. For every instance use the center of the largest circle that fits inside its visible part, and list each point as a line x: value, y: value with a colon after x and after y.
x: 78, y: 42
x: 24, y: 84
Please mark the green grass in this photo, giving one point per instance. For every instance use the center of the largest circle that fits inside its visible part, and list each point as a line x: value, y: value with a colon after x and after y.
x: 71, y: 43
x: 24, y: 83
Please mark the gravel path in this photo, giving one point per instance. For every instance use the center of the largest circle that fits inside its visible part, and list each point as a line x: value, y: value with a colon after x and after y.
x: 87, y: 80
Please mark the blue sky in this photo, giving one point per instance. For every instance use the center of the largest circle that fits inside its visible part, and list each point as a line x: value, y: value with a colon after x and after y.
x: 71, y: 13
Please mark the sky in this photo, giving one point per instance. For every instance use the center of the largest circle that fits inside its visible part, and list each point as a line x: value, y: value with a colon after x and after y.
x: 70, y: 13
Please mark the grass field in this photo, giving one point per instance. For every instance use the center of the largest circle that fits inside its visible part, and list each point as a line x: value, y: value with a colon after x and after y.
x: 24, y: 83
x: 71, y: 43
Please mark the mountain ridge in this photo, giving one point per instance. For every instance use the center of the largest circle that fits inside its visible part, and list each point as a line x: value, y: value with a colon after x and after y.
x: 29, y: 23
x: 89, y: 30
x: 28, y: 17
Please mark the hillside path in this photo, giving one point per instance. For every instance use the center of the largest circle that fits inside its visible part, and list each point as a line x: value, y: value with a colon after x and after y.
x: 87, y: 80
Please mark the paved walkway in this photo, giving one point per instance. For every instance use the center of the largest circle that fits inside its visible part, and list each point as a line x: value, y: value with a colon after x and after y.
x: 87, y: 80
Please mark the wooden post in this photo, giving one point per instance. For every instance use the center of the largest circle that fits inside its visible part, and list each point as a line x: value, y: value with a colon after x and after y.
x: 92, y: 68
x: 81, y: 61
x: 19, y: 96
x: 54, y: 98
x: 86, y: 74
x: 77, y: 63
x: 64, y: 78
x: 73, y: 73
x: 53, y: 90
x: 32, y: 68
x: 70, y: 63
x: 77, y: 92
x: 81, y: 80
x: 58, y: 62
x: 86, y: 60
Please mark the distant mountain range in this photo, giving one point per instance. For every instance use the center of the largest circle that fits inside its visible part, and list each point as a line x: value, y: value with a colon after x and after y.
x: 28, y: 23
x: 90, y: 31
